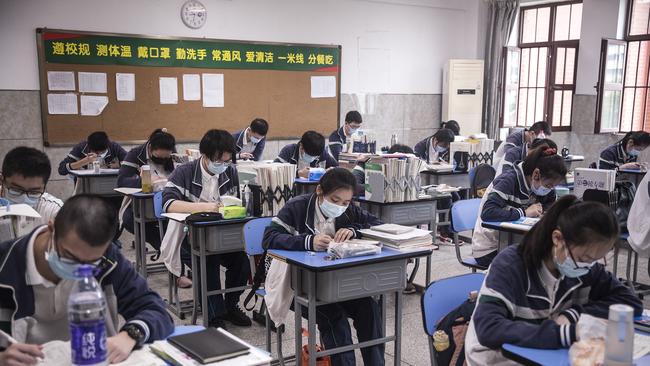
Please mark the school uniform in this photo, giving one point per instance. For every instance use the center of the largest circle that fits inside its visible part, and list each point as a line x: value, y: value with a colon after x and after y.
x: 515, y: 139
x: 244, y: 145
x: 638, y: 223
x: 614, y: 156
x: 337, y: 140
x: 518, y: 306
x: 506, y: 199
x: 512, y: 156
x: 129, y: 176
x: 425, y: 151
x: 114, y: 153
x: 47, y: 206
x: 294, y: 229
x: 291, y: 154
x: 190, y: 182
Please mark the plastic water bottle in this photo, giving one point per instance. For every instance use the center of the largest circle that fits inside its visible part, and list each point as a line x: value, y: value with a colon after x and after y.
x: 619, y: 340
x: 87, y: 318
x: 145, y: 178
x: 247, y: 200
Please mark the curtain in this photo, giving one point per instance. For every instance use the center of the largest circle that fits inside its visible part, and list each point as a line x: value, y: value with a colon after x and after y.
x: 501, y: 20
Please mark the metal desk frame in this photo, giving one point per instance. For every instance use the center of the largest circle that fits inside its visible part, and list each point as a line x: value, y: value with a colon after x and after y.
x: 85, y: 182
x: 142, y: 205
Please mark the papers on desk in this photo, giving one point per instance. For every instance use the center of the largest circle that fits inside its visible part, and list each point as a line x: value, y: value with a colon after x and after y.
x: 127, y: 191
x: 19, y: 209
x: 273, y: 180
x: 410, y: 239
x: 230, y: 201
x: 354, y: 248
x: 523, y: 224
x: 393, y: 229
x: 641, y: 345
x: 438, y: 167
x: 92, y: 172
x: 58, y: 353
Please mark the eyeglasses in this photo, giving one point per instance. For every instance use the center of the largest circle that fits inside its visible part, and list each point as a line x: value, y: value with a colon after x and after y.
x: 588, y: 266
x: 15, y: 191
x: 71, y: 258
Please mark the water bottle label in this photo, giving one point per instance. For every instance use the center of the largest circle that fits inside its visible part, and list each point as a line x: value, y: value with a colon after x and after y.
x: 88, y: 342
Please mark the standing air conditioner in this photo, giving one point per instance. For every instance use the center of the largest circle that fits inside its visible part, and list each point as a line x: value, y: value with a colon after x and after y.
x: 462, y: 94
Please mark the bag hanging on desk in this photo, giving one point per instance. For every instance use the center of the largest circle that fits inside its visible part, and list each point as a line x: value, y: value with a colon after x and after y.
x: 262, y: 264
x: 204, y: 217
x: 625, y: 192
x: 453, y: 327
x: 460, y: 161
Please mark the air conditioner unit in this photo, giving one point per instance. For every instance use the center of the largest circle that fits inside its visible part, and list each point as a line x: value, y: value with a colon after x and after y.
x: 462, y: 94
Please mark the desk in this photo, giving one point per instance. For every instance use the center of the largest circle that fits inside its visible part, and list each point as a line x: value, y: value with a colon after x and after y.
x: 210, y: 238
x: 507, y: 235
x: 304, y: 186
x: 634, y: 175
x: 454, y: 179
x: 570, y: 159
x: 410, y: 213
x: 317, y: 281
x: 555, y: 357
x: 102, y: 183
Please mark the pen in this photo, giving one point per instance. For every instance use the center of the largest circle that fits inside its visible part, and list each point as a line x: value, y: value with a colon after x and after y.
x: 9, y: 338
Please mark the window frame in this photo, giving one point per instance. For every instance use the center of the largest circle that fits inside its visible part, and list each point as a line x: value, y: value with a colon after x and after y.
x: 552, y: 46
x: 600, y: 86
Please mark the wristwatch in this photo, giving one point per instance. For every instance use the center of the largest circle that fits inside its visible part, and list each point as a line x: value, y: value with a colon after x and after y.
x: 135, y: 332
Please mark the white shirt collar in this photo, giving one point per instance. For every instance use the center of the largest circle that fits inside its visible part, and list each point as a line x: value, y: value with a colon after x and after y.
x: 32, y: 276
x: 547, y: 277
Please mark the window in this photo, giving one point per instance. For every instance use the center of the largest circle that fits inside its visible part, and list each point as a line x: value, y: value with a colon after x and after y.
x: 623, y: 83
x: 539, y: 75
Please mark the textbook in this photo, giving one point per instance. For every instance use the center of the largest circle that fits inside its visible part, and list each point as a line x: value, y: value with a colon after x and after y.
x: 411, y: 239
x: 393, y: 228
x: 524, y: 223
x: 209, y: 345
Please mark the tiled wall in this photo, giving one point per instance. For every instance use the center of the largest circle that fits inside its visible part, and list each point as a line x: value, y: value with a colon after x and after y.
x: 410, y: 117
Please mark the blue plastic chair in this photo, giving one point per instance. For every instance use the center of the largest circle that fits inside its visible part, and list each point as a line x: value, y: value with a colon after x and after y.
x: 253, y: 235
x: 463, y: 218
x: 443, y: 296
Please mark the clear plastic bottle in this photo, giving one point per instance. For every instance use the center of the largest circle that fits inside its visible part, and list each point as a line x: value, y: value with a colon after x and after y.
x: 87, y: 318
x: 145, y: 177
x: 248, y: 202
x: 619, y: 340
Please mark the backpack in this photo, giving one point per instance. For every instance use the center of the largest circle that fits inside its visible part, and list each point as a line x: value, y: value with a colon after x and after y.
x: 262, y: 264
x: 454, y: 325
x: 625, y: 192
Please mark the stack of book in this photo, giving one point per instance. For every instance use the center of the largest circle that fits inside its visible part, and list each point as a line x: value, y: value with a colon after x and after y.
x: 393, y: 179
x: 399, y: 236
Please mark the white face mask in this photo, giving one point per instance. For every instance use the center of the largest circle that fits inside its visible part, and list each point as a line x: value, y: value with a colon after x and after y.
x: 332, y: 210
x: 307, y: 158
x: 255, y: 140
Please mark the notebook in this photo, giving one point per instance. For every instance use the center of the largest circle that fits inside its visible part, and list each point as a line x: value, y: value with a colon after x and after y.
x: 209, y: 345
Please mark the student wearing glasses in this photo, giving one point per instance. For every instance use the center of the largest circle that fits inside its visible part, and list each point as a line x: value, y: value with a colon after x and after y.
x: 197, y: 186
x: 535, y: 294
x: 25, y: 172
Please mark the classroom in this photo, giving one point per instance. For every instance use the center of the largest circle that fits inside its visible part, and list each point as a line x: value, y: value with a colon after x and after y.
x: 324, y: 182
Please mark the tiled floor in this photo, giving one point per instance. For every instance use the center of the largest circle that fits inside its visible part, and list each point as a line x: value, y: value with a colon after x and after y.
x: 414, y: 340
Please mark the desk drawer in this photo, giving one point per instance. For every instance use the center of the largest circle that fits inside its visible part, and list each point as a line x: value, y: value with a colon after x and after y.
x: 149, y: 214
x: 409, y: 214
x: 356, y: 282
x: 102, y: 185
x: 220, y: 238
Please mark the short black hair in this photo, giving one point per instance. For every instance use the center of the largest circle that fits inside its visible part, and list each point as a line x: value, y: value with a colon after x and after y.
x: 353, y: 116
x: 639, y: 138
x: 161, y: 139
x: 452, y: 125
x: 337, y: 178
x: 399, y: 148
x: 541, y: 126
x: 215, y: 142
x: 539, y: 142
x: 98, y: 141
x: 28, y: 162
x: 313, y: 143
x: 545, y: 158
x: 90, y: 216
x: 444, y: 135
x: 259, y: 125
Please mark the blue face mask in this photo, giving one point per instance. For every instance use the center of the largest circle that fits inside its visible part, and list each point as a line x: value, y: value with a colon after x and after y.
x: 307, y: 158
x: 21, y: 198
x: 634, y: 152
x: 332, y: 210
x: 440, y: 149
x: 569, y: 268
x: 63, y: 268
x: 255, y: 140
x: 216, y: 167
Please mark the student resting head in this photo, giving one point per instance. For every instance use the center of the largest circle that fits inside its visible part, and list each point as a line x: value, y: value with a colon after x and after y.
x: 311, y: 144
x: 451, y: 125
x: 635, y: 142
x: 538, y: 130
x: 161, y: 146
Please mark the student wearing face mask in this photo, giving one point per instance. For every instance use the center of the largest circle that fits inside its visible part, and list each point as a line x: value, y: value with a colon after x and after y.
x: 157, y: 153
x: 539, y: 130
x: 311, y: 222
x: 37, y: 276
x: 25, y: 172
x: 339, y: 138
x: 517, y: 154
x: 197, y: 186
x: 535, y: 293
x: 251, y: 141
x: 624, y: 154
x: 435, y: 148
x: 309, y: 152
x: 524, y: 191
x: 96, y: 147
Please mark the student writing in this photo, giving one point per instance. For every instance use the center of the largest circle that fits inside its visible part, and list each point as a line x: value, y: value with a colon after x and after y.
x: 309, y: 152
x: 539, y: 130
x: 535, y: 293
x: 624, y: 153
x: 339, y: 138
x: 435, y: 148
x: 519, y: 153
x: 250, y: 142
x: 97, y: 147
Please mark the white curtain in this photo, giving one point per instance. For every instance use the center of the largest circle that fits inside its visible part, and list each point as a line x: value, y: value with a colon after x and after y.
x: 501, y: 19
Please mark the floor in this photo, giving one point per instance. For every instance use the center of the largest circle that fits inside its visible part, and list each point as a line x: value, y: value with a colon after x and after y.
x: 414, y: 340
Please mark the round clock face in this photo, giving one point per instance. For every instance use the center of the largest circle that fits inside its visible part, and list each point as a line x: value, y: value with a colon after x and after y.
x: 193, y: 14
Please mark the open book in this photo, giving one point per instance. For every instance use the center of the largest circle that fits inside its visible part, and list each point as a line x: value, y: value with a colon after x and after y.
x: 19, y: 209
x: 58, y: 353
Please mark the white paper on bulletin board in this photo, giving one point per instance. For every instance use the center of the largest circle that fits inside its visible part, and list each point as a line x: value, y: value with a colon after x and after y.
x: 62, y: 103
x: 60, y: 80
x: 92, y: 82
x: 213, y: 95
x: 168, y: 90
x: 323, y: 86
x: 125, y: 87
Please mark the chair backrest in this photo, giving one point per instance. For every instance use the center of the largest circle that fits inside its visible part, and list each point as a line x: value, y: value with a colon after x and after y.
x: 158, y: 205
x: 482, y: 176
x: 443, y: 296
x: 464, y: 214
x: 253, y: 234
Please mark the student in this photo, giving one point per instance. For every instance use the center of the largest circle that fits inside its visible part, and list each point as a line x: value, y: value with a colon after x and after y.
x: 37, y: 275
x: 250, y: 142
x: 97, y: 146
x: 525, y: 191
x: 308, y: 152
x: 519, y: 153
x: 534, y: 293
x: 310, y: 222
x: 451, y: 125
x: 197, y: 186
x: 157, y: 153
x: 623, y: 154
x: 435, y: 148
x: 339, y: 138
x: 539, y: 130
x: 359, y: 171
x: 25, y: 172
